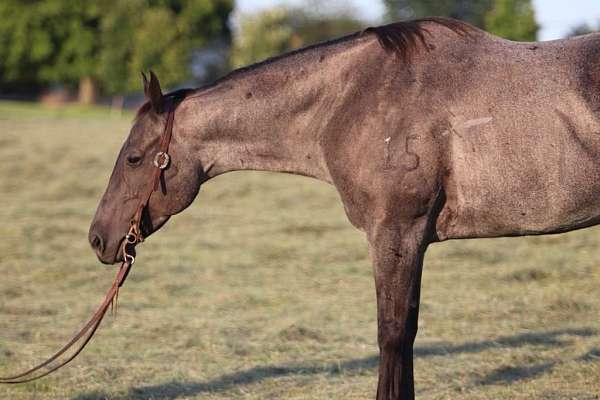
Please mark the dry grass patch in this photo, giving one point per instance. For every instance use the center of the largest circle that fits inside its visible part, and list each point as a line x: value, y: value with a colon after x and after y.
x: 262, y: 290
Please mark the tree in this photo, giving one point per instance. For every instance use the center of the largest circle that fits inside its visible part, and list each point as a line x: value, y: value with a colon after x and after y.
x: 162, y: 36
x: 280, y: 29
x: 47, y: 41
x: 512, y: 19
x: 471, y: 11
x: 104, y: 42
x: 583, y: 29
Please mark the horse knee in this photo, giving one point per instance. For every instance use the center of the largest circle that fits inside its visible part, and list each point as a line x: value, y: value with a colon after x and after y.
x: 392, y: 335
x: 397, y: 335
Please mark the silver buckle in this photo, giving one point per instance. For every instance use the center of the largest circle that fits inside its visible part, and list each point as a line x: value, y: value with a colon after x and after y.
x: 164, y: 157
x: 129, y: 259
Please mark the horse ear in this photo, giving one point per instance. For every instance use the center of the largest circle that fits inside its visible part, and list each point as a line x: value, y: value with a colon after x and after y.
x: 153, y: 92
x: 145, y: 83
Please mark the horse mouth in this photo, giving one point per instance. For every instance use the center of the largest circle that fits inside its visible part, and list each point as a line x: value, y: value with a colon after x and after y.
x: 115, y: 257
x: 147, y: 228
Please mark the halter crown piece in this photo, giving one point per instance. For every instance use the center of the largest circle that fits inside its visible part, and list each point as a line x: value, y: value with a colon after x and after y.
x: 132, y: 238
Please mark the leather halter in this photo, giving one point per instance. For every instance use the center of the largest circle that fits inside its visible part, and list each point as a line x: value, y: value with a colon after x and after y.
x: 161, y: 162
x: 134, y: 236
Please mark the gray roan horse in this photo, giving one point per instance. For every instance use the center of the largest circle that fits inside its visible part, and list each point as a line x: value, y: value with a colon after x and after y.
x: 429, y: 129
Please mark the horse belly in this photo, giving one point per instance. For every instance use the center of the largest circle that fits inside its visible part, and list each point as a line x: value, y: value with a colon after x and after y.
x: 509, y: 185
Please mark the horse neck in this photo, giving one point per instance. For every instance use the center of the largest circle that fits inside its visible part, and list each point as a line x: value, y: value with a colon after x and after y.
x: 269, y: 118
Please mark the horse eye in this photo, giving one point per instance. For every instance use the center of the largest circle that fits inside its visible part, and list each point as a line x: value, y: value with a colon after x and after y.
x: 134, y: 160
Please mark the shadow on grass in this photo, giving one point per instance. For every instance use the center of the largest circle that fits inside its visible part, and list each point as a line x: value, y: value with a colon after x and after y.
x: 544, y: 339
x: 175, y: 390
x: 591, y: 356
x: 513, y: 374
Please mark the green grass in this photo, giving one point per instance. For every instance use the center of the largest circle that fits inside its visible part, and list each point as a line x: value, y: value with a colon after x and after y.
x: 263, y: 290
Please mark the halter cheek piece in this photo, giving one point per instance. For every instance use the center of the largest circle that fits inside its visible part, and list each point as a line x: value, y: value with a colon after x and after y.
x: 161, y: 162
x: 132, y: 238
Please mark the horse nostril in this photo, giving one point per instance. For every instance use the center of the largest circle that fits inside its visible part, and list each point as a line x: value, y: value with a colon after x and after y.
x: 97, y: 243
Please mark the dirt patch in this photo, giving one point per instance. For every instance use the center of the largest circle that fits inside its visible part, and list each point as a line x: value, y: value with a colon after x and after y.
x: 529, y: 275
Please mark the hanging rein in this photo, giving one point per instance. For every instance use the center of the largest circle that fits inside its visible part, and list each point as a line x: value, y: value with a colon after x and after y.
x: 133, y: 237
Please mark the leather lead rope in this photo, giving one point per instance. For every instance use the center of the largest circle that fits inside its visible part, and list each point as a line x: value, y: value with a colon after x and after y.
x: 133, y: 237
x: 86, y: 332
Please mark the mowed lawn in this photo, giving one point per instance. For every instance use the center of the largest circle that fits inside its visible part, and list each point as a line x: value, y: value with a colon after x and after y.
x: 263, y: 290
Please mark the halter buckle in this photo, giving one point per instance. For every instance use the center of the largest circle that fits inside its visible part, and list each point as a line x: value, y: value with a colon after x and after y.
x: 129, y: 258
x: 132, y: 238
x: 161, y: 160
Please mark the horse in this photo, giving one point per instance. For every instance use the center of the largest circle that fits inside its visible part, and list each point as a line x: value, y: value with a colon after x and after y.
x: 429, y: 129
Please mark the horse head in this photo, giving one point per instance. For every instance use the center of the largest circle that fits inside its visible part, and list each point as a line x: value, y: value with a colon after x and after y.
x: 131, y: 177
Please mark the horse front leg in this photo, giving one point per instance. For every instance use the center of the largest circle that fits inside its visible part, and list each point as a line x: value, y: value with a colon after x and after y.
x: 397, y: 254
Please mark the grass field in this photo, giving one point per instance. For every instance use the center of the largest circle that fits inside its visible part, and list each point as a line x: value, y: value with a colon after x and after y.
x: 263, y: 290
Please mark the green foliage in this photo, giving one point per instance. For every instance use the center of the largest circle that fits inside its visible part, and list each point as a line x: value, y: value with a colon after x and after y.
x: 262, y: 36
x: 471, y: 11
x: 47, y: 41
x: 161, y: 36
x: 281, y: 29
x: 512, y: 19
x: 111, y: 41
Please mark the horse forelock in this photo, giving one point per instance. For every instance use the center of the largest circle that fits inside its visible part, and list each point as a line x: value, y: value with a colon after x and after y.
x: 176, y: 96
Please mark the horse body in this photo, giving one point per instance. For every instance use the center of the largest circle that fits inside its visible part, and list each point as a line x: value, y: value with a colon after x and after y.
x: 523, y: 143
x: 430, y: 130
x: 503, y: 128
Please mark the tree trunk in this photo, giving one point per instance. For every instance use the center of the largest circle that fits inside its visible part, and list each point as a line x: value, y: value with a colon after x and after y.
x: 87, y: 90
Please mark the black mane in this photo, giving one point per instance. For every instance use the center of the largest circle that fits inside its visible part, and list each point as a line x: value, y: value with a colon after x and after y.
x: 403, y: 38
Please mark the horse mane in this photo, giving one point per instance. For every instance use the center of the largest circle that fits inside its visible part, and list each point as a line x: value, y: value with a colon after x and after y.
x: 403, y: 38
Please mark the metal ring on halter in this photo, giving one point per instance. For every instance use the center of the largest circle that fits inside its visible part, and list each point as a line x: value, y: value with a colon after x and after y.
x: 131, y: 238
x: 129, y: 259
x: 161, y: 160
